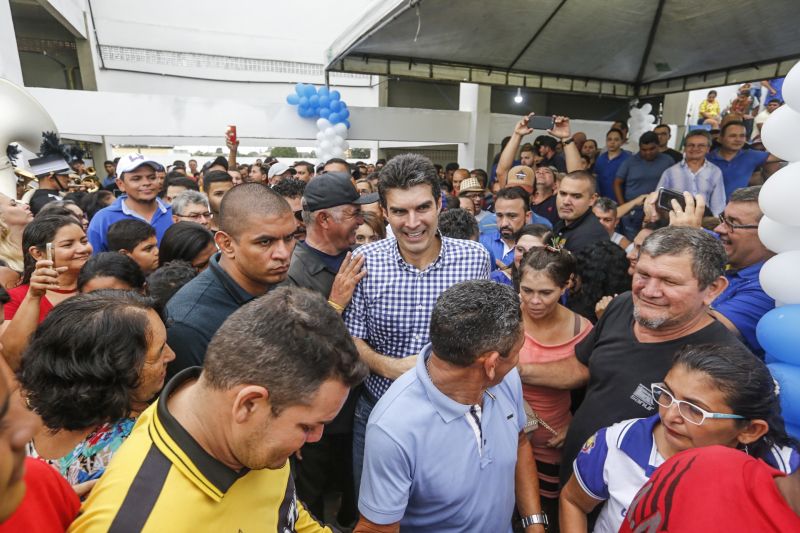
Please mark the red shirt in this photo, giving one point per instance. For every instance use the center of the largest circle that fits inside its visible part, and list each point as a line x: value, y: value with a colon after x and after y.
x: 17, y: 294
x: 712, y: 489
x: 49, y: 504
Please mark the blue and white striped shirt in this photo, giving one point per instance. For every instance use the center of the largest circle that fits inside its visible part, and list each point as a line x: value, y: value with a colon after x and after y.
x: 707, y: 182
x: 391, y: 307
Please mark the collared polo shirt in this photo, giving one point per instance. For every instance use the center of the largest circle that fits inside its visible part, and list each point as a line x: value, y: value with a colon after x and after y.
x: 498, y: 249
x: 391, y: 307
x: 580, y: 233
x: 313, y: 269
x: 161, y: 479
x: 98, y: 227
x: 425, y: 465
x: 641, y: 177
x: 736, y: 172
x: 707, y: 182
x: 197, y: 311
x: 606, y: 170
x: 744, y: 302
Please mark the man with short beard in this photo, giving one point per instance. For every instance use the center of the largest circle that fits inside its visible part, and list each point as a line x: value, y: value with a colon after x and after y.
x: 679, y: 272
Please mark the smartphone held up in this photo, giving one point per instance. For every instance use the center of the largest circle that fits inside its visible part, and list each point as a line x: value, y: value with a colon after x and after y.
x: 540, y: 123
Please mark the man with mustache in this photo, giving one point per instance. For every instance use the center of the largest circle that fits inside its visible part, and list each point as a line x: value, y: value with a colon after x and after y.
x: 679, y: 272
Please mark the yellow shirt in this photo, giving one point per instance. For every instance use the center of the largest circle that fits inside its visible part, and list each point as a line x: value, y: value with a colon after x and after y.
x: 161, y: 480
x: 709, y: 107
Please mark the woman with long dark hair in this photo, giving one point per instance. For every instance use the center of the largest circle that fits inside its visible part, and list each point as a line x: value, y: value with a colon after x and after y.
x: 187, y: 241
x: 712, y: 395
x: 551, y: 333
x: 45, y: 283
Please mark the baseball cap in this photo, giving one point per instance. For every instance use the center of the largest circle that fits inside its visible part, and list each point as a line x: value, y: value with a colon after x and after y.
x: 470, y: 185
x: 333, y: 189
x: 50, y: 164
x: 131, y: 162
x: 520, y: 176
x: 279, y: 168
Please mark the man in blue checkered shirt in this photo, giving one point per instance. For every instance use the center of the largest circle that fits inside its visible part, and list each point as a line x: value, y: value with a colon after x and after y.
x: 389, y: 315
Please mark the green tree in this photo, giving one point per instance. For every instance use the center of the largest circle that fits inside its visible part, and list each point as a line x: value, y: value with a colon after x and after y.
x: 284, y: 151
x: 359, y: 153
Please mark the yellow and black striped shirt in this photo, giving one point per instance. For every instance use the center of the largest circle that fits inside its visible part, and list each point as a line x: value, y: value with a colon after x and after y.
x: 162, y: 480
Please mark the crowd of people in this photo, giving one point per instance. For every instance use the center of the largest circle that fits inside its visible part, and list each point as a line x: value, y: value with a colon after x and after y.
x: 536, y: 346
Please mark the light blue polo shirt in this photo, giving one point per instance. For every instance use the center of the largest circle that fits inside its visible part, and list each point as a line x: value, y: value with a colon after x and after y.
x: 423, y: 466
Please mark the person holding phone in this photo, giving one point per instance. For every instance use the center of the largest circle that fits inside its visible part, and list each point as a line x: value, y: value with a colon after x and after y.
x: 47, y: 279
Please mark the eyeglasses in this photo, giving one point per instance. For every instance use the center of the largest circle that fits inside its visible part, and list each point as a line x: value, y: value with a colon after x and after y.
x: 688, y: 411
x: 197, y: 216
x: 734, y: 227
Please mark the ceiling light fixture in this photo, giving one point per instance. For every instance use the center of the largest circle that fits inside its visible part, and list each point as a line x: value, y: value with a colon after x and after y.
x: 518, y: 98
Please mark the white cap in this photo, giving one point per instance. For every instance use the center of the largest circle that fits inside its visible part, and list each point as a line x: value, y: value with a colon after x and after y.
x: 131, y: 162
x: 277, y: 169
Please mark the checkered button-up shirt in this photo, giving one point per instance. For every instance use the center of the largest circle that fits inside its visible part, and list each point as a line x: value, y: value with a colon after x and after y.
x: 391, y: 307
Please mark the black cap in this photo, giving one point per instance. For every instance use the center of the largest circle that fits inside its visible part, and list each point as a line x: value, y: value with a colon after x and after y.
x: 333, y: 189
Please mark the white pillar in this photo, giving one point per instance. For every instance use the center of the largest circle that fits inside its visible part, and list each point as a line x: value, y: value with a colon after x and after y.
x: 10, y: 67
x: 477, y: 100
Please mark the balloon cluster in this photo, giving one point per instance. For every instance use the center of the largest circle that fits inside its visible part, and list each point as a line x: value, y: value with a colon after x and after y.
x: 778, y: 331
x: 639, y: 122
x: 333, y: 117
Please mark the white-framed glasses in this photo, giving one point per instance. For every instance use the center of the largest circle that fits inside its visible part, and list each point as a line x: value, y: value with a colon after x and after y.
x: 689, y: 411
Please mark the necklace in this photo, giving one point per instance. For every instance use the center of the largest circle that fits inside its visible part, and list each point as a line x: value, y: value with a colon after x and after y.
x: 64, y: 291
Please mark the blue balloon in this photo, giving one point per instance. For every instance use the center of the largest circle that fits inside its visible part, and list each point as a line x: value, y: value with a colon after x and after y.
x: 324, y: 91
x: 293, y: 99
x: 788, y: 377
x: 324, y: 112
x: 310, y: 91
x: 300, y: 89
x: 314, y: 101
x: 336, y: 105
x: 301, y: 111
x: 303, y: 101
x: 344, y: 113
x: 324, y: 100
x: 334, y: 118
x: 346, y: 123
x: 336, y: 95
x: 778, y: 332
x: 344, y: 104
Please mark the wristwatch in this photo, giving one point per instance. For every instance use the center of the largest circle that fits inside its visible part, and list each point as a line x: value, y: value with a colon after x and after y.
x: 534, y: 519
x: 567, y: 141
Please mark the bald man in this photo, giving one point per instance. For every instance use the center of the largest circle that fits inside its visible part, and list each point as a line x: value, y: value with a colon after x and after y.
x: 256, y: 241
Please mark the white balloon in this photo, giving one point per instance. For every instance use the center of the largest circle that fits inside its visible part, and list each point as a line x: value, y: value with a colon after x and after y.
x: 330, y: 133
x: 778, y: 237
x: 791, y: 88
x: 337, y: 141
x: 779, y: 277
x: 779, y: 194
x: 325, y: 145
x: 320, y: 136
x: 646, y: 108
x: 779, y: 133
x: 345, y: 146
x: 323, y: 124
x: 341, y: 129
x: 336, y: 152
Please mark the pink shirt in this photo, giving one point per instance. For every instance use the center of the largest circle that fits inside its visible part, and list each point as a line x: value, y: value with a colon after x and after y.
x: 551, y: 405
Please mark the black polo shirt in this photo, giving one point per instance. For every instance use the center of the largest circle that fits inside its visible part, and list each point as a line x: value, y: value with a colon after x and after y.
x: 197, y: 311
x: 313, y: 269
x: 580, y: 233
